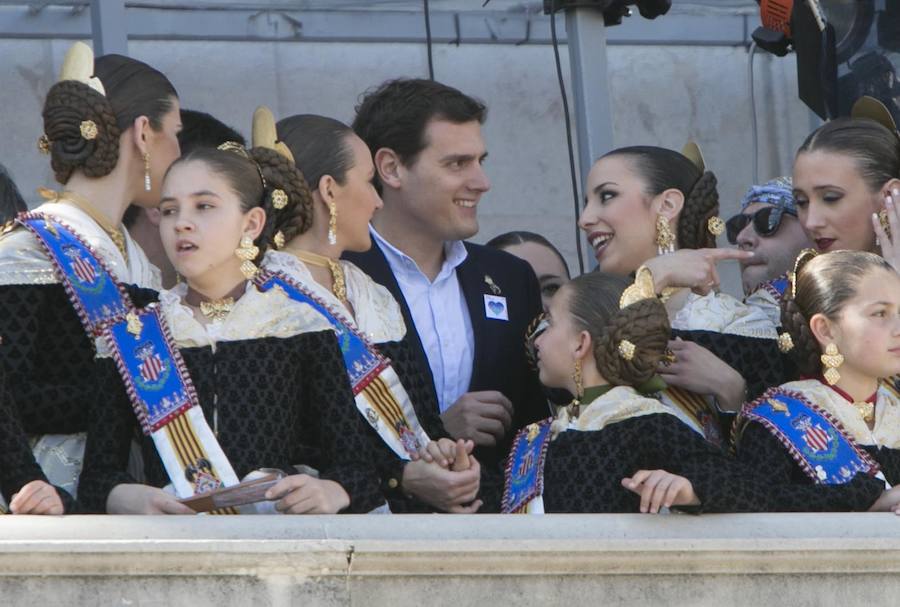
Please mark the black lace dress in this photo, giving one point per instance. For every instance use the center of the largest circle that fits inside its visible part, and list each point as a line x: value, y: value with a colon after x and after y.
x: 276, y: 402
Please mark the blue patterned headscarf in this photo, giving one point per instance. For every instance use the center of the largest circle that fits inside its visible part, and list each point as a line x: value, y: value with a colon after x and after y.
x: 778, y: 192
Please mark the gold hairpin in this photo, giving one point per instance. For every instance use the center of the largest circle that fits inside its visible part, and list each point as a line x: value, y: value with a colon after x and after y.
x: 265, y: 135
x: 693, y: 153
x: 785, y: 342
x: 802, y: 259
x: 716, y: 226
x: 79, y: 66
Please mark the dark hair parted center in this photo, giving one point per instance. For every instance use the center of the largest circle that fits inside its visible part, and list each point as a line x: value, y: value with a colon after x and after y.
x: 594, y: 304
x: 320, y: 147
x: 661, y: 169
x: 396, y: 114
x: 874, y: 148
x: 133, y: 89
x: 824, y: 285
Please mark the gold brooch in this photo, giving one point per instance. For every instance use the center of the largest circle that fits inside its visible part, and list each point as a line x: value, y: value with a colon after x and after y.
x: 716, y: 226
x: 88, y: 129
x: 134, y: 324
x: 217, y: 310
x: 778, y: 406
x: 279, y: 199
x: 785, y: 342
x: 533, y: 431
x: 626, y: 349
x: 44, y: 144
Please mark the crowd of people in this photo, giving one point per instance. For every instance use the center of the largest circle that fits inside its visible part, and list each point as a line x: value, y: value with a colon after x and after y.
x: 299, y: 324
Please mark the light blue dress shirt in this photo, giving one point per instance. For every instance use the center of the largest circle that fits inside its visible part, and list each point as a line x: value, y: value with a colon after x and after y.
x: 441, y: 316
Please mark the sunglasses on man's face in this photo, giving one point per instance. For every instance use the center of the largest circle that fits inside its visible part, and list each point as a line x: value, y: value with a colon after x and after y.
x: 766, y: 222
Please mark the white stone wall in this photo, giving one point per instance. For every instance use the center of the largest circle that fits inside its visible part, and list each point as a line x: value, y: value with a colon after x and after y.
x: 660, y: 95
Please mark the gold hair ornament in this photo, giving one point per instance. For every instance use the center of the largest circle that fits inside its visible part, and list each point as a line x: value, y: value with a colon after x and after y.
x: 785, y: 342
x: 88, y: 129
x: 692, y: 152
x: 78, y: 65
x: 802, y: 259
x: 237, y: 148
x: 716, y: 226
x: 627, y: 349
x: 43, y: 144
x: 265, y: 135
x: 872, y: 109
x: 279, y: 199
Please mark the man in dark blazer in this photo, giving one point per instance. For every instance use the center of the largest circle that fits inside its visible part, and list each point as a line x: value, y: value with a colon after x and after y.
x: 466, y: 306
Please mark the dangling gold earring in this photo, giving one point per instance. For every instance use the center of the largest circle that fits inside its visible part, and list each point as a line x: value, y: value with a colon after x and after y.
x: 665, y: 239
x: 247, y: 252
x: 832, y: 359
x: 575, y: 406
x: 147, y: 185
x: 332, y: 223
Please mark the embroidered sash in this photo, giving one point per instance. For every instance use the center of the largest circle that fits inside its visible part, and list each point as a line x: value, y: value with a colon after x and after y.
x: 697, y: 409
x: 155, y: 376
x: 816, y: 441
x: 524, y: 482
x: 380, y: 396
x: 776, y: 287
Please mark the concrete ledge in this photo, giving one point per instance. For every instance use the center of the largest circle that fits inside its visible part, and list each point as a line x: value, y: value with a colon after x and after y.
x: 798, y: 559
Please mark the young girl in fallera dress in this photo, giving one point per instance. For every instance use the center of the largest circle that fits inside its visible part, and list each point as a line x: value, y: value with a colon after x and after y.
x: 267, y: 370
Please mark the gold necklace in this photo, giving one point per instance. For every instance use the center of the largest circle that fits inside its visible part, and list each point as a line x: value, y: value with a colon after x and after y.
x: 339, y: 287
x: 115, y: 234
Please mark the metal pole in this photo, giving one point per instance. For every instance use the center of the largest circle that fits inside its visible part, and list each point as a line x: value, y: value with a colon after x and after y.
x: 109, y: 29
x: 590, y: 90
x: 586, y: 33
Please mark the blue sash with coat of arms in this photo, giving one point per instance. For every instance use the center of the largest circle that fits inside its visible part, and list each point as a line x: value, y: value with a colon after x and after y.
x: 815, y: 440
x: 155, y: 377
x: 377, y: 390
x: 524, y: 480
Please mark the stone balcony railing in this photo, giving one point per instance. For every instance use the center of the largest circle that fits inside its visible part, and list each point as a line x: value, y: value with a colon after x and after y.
x: 484, y: 561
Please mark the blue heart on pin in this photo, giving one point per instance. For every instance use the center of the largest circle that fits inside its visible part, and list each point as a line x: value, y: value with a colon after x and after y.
x: 496, y: 307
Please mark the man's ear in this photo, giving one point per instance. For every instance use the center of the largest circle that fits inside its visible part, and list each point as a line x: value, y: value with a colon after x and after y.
x: 388, y: 165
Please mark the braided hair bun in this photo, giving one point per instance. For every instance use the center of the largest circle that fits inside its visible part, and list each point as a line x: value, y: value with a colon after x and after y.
x: 594, y: 305
x: 645, y: 324
x: 700, y: 204
x: 283, y: 181
x: 69, y: 105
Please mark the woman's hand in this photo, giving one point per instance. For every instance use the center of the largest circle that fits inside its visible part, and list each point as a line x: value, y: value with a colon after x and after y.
x: 37, y: 497
x: 659, y: 488
x: 890, y: 245
x: 303, y: 494
x: 693, y: 269
x: 699, y: 370
x: 143, y: 499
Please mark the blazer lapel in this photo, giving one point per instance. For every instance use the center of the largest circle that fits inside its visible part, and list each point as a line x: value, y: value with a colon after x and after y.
x: 471, y: 280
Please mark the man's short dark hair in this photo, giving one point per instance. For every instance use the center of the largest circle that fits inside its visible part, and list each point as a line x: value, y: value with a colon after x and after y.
x: 201, y: 130
x: 395, y: 114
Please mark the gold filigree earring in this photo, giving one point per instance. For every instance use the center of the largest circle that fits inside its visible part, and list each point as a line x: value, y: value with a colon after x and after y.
x: 332, y: 223
x: 574, y: 407
x: 247, y: 252
x: 665, y: 238
x: 832, y: 359
x: 147, y: 185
